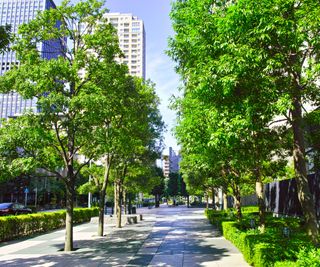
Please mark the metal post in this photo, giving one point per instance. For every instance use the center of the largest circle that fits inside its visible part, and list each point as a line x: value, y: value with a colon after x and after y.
x: 36, y: 197
x: 89, y: 194
x: 25, y: 198
x: 26, y: 191
x: 89, y: 199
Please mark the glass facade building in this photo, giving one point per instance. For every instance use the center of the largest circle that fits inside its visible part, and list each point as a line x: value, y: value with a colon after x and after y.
x: 15, y: 13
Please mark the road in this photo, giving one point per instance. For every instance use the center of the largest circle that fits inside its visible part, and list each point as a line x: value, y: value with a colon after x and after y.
x: 168, y: 236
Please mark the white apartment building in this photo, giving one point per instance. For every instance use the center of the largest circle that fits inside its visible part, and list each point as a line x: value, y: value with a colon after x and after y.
x: 131, y: 35
x: 171, y: 162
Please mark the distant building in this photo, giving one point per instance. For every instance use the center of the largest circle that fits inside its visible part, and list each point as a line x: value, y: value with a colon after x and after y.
x: 15, y: 13
x: 132, y: 42
x: 165, y: 165
x: 170, y: 163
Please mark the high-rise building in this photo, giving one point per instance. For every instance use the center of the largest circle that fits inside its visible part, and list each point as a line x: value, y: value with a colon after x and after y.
x: 15, y: 13
x: 131, y: 35
x: 170, y: 163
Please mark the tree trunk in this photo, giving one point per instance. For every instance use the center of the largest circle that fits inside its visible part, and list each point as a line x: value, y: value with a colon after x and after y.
x: 188, y: 201
x: 213, y: 198
x: 68, y: 245
x: 304, y: 195
x: 130, y: 203
x: 157, y: 199
x: 115, y: 197
x: 101, y: 212
x: 238, y: 203
x: 119, y: 198
x: 125, y: 201
x: 225, y: 201
x: 102, y: 195
x: 207, y: 201
x: 261, y: 203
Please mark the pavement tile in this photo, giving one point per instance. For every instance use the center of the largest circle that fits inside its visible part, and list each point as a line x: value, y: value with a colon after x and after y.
x: 152, y: 243
x: 200, y: 260
x: 118, y: 259
x: 148, y: 250
x: 15, y: 247
x: 166, y: 237
x: 167, y: 260
x: 140, y: 260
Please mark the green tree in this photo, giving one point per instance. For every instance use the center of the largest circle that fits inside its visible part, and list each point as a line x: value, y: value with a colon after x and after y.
x: 141, y: 141
x: 5, y: 37
x: 130, y: 137
x: 158, y: 190
x: 66, y: 88
x: 240, y: 54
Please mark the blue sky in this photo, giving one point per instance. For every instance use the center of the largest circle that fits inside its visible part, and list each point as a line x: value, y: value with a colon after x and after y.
x: 160, y: 69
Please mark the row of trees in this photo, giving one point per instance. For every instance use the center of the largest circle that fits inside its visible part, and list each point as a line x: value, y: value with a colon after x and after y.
x: 248, y: 67
x: 90, y: 110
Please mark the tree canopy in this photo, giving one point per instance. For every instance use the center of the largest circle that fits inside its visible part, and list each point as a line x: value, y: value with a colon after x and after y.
x: 246, y: 66
x: 88, y: 107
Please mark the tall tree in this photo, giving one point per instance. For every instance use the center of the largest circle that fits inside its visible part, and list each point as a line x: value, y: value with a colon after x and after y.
x: 67, y: 89
x: 158, y: 189
x: 141, y: 139
x: 238, y: 52
x: 131, y: 132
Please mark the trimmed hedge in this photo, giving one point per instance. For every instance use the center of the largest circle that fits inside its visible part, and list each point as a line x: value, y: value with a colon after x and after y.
x: 255, y: 252
x: 271, y: 247
x: 12, y: 227
x: 262, y: 250
x: 217, y: 217
x: 306, y: 257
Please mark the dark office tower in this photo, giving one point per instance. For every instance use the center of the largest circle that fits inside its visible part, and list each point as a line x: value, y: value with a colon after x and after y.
x: 14, y: 13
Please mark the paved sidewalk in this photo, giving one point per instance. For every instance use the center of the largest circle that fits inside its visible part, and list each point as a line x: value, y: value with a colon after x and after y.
x: 168, y: 236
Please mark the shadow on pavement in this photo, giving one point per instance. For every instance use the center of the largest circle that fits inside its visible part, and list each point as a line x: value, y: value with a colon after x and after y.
x: 177, y: 239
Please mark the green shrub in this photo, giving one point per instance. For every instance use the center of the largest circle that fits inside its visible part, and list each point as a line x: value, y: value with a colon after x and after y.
x: 216, y: 217
x: 262, y: 250
x: 249, y: 209
x: 12, y: 227
x: 263, y: 254
x: 271, y: 247
x: 148, y: 204
x: 285, y: 264
x: 309, y: 257
x: 306, y: 257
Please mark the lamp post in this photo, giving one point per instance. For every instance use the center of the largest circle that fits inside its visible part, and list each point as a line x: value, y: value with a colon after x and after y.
x: 36, y: 197
x: 26, y: 191
x: 89, y: 194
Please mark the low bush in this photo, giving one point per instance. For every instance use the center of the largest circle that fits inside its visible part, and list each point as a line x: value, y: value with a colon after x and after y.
x: 216, y: 217
x: 12, y: 227
x: 265, y: 249
x: 148, y: 204
x: 269, y: 248
x: 306, y: 257
x: 249, y: 209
